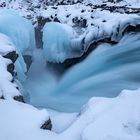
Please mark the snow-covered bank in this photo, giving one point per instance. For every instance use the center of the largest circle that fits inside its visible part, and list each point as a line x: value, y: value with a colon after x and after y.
x: 101, y: 119
x: 21, y: 121
x: 8, y: 87
x: 107, y: 119
x: 16, y: 119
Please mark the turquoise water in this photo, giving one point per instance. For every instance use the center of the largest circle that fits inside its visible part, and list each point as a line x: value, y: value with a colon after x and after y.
x: 105, y: 72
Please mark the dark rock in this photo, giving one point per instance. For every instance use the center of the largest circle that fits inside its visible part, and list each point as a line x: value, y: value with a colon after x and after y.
x: 10, y: 68
x: 104, y: 21
x: 17, y: 88
x: 13, y: 80
x: 68, y: 15
x: 75, y: 20
x: 38, y: 37
x: 2, y: 97
x: 54, y: 7
x: 51, y: 16
x: 56, y: 20
x: 3, y: 4
x: 47, y: 125
x: 84, y: 23
x: 80, y: 22
x: 28, y: 61
x: 131, y: 28
x: 37, y: 6
x: 12, y: 56
x: 40, y: 22
x: 19, y: 98
x: 82, y: 11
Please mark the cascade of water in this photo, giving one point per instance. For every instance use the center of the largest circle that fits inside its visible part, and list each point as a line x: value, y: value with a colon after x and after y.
x: 104, y: 73
x: 107, y: 71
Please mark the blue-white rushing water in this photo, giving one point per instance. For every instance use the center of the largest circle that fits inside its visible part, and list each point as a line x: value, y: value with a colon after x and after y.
x: 106, y: 71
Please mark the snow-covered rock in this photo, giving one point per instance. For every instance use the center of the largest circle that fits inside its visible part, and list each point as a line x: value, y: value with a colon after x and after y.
x: 105, y: 24
x: 8, y: 89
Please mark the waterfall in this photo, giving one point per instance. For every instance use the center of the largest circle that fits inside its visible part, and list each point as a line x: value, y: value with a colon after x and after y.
x: 105, y: 72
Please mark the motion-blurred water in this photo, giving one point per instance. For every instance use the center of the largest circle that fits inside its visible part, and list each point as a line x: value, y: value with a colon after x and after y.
x: 105, y: 72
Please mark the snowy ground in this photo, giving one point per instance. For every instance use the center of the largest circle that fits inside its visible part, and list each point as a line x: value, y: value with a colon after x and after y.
x: 101, y: 119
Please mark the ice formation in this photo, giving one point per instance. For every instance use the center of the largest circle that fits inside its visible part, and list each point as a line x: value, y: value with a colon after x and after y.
x: 60, y: 42
x: 6, y: 45
x: 21, y: 32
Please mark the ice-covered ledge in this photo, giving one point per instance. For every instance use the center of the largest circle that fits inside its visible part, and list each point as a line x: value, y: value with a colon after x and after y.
x: 63, y: 41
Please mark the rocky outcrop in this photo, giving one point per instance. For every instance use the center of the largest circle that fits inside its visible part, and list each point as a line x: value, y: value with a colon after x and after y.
x: 19, y: 98
x: 114, y: 8
x: 12, y: 56
x: 2, y: 97
x: 47, y: 125
x: 11, y: 69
